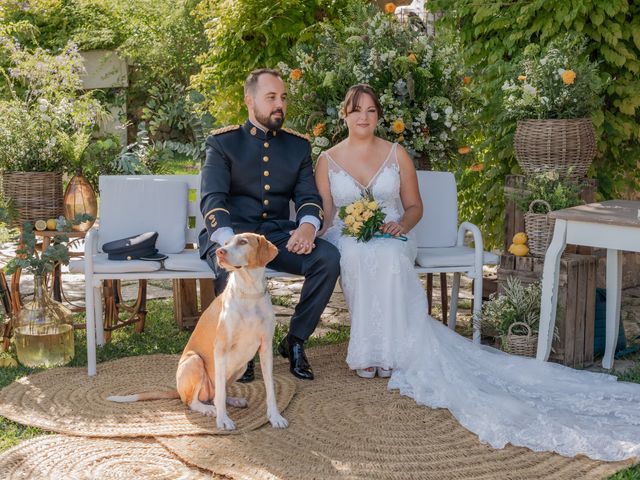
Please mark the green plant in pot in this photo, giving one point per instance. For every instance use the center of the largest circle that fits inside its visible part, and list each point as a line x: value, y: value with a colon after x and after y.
x: 516, y: 312
x: 543, y: 193
x: 43, y: 330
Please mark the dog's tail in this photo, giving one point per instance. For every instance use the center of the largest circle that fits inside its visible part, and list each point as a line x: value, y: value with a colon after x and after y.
x: 144, y: 396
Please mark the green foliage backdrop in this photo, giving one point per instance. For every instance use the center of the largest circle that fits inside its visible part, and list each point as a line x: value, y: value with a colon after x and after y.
x: 493, y: 34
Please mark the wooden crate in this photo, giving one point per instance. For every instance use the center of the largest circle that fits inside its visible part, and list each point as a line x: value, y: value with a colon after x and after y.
x: 514, y: 218
x: 187, y: 307
x: 575, y: 318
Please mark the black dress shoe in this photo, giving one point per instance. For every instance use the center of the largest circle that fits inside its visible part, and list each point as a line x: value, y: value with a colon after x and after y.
x: 249, y: 374
x: 298, y: 363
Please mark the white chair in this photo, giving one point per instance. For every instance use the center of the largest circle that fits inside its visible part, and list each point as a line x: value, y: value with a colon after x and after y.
x: 441, y: 241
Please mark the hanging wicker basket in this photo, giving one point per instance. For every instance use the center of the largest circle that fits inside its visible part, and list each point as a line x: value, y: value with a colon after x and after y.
x: 565, y: 146
x: 524, y: 345
x: 35, y: 195
x: 539, y: 229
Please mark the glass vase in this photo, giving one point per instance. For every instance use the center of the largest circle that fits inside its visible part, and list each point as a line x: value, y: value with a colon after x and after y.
x: 44, y: 333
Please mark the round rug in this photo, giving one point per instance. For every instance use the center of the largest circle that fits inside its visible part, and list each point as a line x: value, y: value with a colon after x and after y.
x: 342, y: 426
x: 60, y: 457
x: 67, y: 400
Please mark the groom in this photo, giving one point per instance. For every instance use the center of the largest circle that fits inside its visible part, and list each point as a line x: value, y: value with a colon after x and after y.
x: 250, y: 175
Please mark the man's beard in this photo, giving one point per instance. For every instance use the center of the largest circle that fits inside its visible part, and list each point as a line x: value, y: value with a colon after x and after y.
x: 272, y: 123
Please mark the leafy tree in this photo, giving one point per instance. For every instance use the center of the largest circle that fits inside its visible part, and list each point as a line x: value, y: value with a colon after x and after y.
x: 248, y: 34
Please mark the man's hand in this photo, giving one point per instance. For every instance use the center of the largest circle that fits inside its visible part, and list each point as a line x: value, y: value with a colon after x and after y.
x: 302, y: 239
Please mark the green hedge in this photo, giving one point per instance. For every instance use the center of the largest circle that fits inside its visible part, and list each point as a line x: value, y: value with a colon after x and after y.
x: 493, y: 34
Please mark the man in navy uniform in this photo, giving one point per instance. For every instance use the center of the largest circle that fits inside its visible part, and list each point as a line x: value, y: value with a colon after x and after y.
x: 250, y: 175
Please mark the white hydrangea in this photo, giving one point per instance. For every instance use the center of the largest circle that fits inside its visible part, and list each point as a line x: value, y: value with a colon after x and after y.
x: 322, y: 141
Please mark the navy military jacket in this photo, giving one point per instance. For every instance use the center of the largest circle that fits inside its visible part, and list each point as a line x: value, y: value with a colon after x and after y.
x: 249, y: 177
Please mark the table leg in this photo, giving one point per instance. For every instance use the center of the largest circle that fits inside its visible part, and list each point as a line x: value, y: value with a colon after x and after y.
x: 614, y: 282
x: 549, y: 298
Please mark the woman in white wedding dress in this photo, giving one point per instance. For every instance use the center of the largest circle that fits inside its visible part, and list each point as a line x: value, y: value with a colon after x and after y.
x: 501, y: 398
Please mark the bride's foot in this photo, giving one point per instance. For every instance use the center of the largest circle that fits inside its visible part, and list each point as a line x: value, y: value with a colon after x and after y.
x: 384, y: 372
x: 369, y: 372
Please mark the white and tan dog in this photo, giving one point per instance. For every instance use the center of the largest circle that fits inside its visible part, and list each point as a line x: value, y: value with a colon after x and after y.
x: 238, y: 323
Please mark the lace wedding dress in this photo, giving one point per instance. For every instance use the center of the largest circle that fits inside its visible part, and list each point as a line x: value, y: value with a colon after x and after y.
x: 501, y: 398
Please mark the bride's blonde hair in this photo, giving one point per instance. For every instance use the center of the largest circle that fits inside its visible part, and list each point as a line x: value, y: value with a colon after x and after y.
x: 353, y: 95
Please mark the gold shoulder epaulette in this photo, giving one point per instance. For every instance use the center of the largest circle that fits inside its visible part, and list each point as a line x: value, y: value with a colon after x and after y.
x: 226, y: 129
x: 297, y: 134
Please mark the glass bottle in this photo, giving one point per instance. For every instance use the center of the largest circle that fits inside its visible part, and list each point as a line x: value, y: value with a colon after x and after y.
x: 44, y: 333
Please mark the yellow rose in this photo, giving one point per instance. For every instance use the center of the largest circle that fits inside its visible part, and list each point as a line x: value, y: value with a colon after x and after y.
x: 522, y: 78
x: 296, y: 74
x: 357, y: 216
x: 412, y: 58
x: 356, y: 227
x: 358, y: 207
x: 367, y: 215
x: 373, y: 205
x: 568, y: 77
x: 397, y: 126
x: 389, y: 7
x: 349, y: 209
x: 349, y: 220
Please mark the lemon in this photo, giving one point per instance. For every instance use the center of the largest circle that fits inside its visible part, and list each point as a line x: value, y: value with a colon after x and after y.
x: 519, y: 250
x: 520, y: 238
x: 52, y: 224
x: 40, y: 225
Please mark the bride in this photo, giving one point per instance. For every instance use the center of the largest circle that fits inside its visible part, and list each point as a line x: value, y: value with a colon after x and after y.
x: 501, y: 398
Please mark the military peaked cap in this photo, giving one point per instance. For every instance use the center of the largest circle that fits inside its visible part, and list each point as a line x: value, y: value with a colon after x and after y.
x: 136, y: 247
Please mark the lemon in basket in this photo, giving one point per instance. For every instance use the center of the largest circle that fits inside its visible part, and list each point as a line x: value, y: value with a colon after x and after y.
x: 40, y: 225
x: 520, y: 238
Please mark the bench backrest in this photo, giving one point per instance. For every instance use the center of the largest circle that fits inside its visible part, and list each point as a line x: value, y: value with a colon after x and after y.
x: 131, y: 204
x: 439, y: 224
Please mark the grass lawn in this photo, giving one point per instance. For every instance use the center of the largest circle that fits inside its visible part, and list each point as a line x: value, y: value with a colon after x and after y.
x: 161, y: 335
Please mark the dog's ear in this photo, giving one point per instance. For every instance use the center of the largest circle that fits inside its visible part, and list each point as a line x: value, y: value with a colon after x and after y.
x: 267, y: 251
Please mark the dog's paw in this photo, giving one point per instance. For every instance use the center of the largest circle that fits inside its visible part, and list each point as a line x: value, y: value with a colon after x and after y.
x: 278, y: 421
x: 237, y: 402
x: 207, y: 410
x: 225, y: 423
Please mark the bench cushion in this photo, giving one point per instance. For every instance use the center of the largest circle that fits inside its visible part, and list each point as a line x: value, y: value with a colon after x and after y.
x: 130, y: 206
x: 186, y: 261
x: 451, y: 257
x: 101, y: 264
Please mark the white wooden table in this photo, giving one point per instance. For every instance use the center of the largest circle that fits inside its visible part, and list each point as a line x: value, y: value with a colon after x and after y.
x: 614, y: 225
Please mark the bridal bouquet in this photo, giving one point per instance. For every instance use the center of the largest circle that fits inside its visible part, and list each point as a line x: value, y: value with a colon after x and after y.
x: 362, y: 218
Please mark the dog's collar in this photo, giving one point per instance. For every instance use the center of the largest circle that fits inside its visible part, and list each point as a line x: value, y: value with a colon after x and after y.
x: 253, y: 296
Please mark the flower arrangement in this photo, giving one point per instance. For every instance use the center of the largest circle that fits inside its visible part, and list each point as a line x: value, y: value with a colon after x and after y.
x: 362, y: 218
x: 418, y: 80
x: 46, y: 124
x: 557, y: 82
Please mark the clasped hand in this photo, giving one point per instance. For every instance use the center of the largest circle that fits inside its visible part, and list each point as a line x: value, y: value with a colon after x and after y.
x: 302, y: 240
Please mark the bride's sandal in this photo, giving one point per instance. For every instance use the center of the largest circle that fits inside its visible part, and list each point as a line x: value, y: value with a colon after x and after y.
x: 384, y: 372
x: 369, y: 372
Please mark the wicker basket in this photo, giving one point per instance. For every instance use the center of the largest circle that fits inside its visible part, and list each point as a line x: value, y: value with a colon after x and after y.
x: 524, y: 345
x: 36, y: 195
x: 566, y: 146
x: 539, y: 229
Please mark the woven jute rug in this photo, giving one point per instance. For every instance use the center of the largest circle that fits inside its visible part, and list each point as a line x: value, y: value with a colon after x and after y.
x: 60, y: 457
x: 66, y: 400
x: 342, y: 426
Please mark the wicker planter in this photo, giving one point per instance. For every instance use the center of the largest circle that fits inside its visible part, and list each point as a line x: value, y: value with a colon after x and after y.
x: 566, y: 146
x: 36, y: 195
x: 539, y: 229
x: 524, y: 345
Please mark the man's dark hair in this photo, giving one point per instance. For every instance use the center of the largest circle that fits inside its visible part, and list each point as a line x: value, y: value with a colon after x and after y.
x: 252, y: 79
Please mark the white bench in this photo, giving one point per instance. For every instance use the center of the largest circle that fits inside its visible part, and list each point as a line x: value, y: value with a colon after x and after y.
x: 169, y: 205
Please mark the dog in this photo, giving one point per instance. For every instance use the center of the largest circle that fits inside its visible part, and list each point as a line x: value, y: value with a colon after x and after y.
x: 239, y: 322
